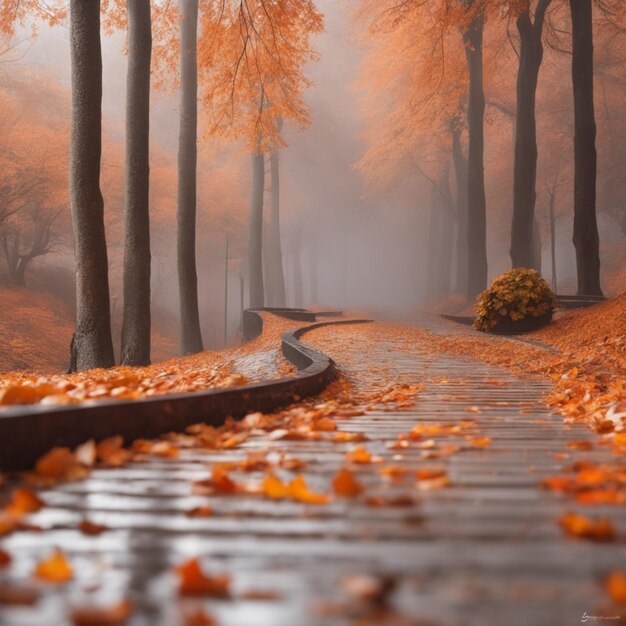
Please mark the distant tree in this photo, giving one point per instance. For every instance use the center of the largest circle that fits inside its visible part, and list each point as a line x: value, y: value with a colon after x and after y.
x: 476, y: 201
x: 460, y: 175
x: 191, y: 336
x: 136, y: 317
x: 25, y: 240
x: 275, y: 274
x: 91, y: 345
x: 252, y: 58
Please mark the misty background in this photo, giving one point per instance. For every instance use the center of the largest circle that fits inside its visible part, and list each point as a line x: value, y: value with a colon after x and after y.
x: 343, y: 246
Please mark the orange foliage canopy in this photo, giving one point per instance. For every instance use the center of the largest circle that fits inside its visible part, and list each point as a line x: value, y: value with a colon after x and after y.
x: 251, y: 56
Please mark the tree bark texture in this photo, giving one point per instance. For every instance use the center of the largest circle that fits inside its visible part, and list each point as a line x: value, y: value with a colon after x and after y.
x: 190, y: 335
x: 525, y: 162
x: 136, y: 316
x: 476, y: 202
x: 586, y: 238
x: 255, y: 232
x: 91, y: 345
x: 275, y: 258
x: 460, y: 173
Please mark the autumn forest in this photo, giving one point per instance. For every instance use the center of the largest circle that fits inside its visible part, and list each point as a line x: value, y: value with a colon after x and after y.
x: 350, y: 271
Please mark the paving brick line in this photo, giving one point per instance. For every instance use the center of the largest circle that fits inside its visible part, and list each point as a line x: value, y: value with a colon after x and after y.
x: 484, y: 551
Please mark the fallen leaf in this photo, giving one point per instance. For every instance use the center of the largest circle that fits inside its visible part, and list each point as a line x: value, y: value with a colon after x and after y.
x: 392, y: 501
x: 371, y: 589
x: 111, y: 451
x: 479, y: 442
x: 23, y: 501
x: 194, y: 582
x: 600, y: 530
x: 265, y: 595
x: 615, y: 586
x: 345, y: 484
x: 19, y: 596
x: 101, y: 615
x: 361, y: 455
x: 199, y: 617
x: 86, y: 453
x: 221, y: 481
x: 60, y: 464
x: 296, y: 489
x: 91, y: 528
x: 5, y: 558
x: 274, y: 488
x: 200, y: 511
x: 54, y: 569
x: 394, y: 472
x: 428, y: 479
x: 300, y: 491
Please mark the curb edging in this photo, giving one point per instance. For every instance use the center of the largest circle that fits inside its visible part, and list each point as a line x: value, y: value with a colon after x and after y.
x: 26, y: 434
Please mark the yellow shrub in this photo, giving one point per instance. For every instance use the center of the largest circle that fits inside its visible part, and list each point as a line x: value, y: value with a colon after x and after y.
x: 516, y: 294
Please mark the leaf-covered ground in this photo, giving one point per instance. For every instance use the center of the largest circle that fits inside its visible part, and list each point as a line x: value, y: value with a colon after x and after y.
x: 367, y: 454
x: 254, y: 361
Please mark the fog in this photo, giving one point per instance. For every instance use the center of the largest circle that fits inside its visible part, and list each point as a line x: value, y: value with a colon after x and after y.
x: 343, y: 245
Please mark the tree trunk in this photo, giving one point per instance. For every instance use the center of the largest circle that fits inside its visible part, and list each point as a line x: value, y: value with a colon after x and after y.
x: 298, y: 283
x: 525, y: 163
x: 20, y: 270
x: 255, y: 234
x: 313, y: 277
x: 476, y: 202
x: 460, y: 172
x: 92, y: 345
x: 136, y: 316
x: 276, y: 274
x: 190, y: 335
x: 553, y: 239
x: 586, y: 238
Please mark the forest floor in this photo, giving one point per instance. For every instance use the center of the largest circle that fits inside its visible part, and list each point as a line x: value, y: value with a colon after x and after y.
x: 36, y: 329
x: 432, y: 483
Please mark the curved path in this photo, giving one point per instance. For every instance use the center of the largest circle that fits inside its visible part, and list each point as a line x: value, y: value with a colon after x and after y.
x: 486, y: 550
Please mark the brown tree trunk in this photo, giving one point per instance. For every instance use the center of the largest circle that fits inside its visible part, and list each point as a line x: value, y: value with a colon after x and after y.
x: 586, y: 238
x: 476, y: 202
x: 136, y: 317
x: 275, y: 258
x: 298, y: 282
x: 190, y: 335
x: 525, y: 165
x: 91, y: 345
x: 460, y: 173
x: 255, y: 232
